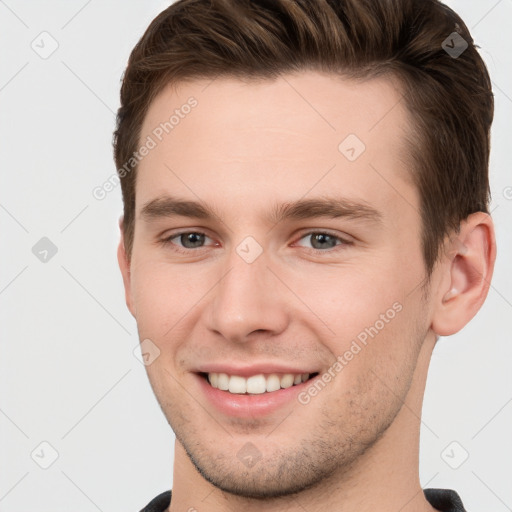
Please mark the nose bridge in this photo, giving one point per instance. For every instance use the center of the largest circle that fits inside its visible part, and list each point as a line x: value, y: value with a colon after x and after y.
x: 247, y: 298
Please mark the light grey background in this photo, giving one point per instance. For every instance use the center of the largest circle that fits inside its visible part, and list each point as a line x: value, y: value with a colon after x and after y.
x: 68, y: 374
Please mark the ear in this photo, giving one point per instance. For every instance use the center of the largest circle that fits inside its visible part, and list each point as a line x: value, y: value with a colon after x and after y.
x: 467, y: 269
x: 124, y: 265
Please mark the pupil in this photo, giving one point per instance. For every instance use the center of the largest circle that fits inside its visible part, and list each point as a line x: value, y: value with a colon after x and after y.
x: 323, y: 238
x: 189, y: 238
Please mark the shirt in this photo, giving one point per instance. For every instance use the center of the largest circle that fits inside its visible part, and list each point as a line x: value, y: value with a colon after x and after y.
x: 444, y: 500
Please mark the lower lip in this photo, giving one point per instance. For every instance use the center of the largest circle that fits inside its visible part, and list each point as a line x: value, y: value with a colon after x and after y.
x: 244, y: 406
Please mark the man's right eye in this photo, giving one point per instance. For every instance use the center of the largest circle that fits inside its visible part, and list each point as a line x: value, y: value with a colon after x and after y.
x: 190, y: 240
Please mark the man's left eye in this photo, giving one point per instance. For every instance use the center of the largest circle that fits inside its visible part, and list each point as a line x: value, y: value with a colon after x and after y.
x: 319, y: 240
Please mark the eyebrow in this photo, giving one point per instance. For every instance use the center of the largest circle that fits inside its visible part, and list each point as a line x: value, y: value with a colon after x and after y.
x: 301, y: 209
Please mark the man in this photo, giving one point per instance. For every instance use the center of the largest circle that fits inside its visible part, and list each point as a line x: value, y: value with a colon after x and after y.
x: 305, y: 189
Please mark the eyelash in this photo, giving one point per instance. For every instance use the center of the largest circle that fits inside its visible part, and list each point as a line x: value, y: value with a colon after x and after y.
x: 167, y: 241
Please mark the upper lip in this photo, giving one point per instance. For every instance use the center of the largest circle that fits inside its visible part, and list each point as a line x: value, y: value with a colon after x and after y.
x: 254, y: 369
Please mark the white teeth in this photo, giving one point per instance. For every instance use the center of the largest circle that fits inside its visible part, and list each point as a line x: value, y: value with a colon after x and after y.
x: 287, y: 380
x: 237, y: 384
x: 273, y: 383
x: 214, y: 379
x: 256, y: 384
x: 222, y: 381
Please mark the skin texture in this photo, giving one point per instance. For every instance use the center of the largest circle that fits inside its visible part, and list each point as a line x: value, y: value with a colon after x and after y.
x: 245, y: 147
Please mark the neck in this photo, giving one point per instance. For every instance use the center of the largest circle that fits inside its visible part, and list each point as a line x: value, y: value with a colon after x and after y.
x: 384, y: 478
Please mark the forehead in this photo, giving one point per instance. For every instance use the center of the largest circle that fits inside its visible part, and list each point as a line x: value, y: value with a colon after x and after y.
x: 232, y: 142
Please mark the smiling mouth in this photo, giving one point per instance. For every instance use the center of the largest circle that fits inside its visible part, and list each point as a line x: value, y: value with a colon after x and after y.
x: 256, y: 384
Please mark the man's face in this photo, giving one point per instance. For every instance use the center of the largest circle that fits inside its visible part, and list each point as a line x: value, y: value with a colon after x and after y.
x: 251, y: 293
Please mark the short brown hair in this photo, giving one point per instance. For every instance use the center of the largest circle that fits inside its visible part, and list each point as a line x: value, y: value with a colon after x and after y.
x: 449, y: 96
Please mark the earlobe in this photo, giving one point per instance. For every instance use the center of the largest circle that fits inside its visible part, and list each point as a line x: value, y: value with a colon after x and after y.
x: 467, y: 271
x: 124, y: 266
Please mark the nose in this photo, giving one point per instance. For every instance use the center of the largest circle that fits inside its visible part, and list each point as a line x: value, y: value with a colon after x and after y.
x: 248, y: 300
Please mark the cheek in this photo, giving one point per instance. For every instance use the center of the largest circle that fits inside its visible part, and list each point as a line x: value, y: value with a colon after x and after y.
x: 388, y: 358
x: 163, y: 294
x: 347, y: 300
x: 376, y: 374
x: 377, y: 325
